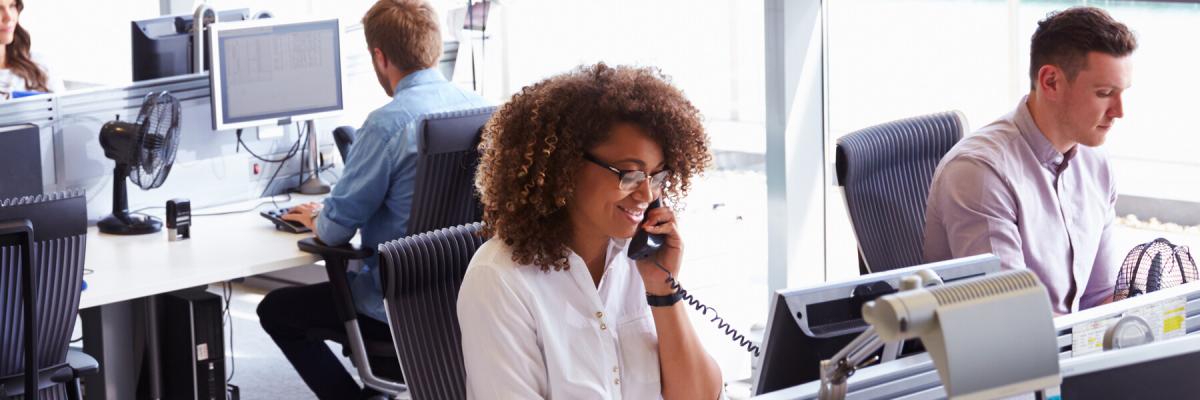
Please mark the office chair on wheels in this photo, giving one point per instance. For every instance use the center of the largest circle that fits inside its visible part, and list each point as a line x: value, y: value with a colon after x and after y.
x: 42, y: 244
x: 421, y: 275
x: 443, y: 196
x: 885, y: 171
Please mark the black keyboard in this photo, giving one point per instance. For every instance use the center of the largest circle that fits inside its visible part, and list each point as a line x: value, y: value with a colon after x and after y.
x: 276, y: 216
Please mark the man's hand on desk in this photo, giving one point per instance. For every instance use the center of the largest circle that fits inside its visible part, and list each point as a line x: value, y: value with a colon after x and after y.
x: 305, y: 214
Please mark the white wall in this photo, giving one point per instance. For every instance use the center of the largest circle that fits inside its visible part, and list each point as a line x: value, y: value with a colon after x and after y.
x: 85, y: 40
x: 88, y: 40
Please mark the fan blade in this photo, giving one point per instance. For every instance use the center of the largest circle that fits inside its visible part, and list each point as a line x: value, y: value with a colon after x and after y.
x: 153, y: 141
x: 158, y: 121
x: 1154, y: 278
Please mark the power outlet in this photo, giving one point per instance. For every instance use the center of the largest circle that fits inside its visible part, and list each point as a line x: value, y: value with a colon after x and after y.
x: 256, y: 168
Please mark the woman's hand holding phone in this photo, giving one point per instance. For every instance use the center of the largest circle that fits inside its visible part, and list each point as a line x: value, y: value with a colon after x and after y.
x: 661, y: 221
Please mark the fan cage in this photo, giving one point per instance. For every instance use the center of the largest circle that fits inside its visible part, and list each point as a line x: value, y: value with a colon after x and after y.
x: 158, y: 139
x: 1154, y: 266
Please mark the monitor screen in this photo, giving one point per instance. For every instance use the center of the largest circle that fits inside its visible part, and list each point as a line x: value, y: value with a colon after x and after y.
x: 812, y: 324
x: 269, y: 72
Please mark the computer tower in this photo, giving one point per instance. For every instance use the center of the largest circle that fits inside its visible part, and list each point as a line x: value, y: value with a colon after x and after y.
x: 193, y: 347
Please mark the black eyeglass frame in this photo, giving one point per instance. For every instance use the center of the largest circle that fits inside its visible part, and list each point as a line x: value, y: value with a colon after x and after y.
x: 621, y: 174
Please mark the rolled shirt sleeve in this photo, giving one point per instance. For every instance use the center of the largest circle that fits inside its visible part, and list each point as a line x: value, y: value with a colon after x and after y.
x: 362, y: 188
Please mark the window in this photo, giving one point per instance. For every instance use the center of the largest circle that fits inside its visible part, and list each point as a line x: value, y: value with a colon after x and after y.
x: 892, y: 59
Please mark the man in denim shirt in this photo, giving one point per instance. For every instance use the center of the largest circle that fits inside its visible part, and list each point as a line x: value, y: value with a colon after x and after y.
x: 374, y: 195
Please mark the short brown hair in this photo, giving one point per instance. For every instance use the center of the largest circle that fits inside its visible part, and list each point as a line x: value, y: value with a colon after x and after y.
x: 406, y: 31
x: 1065, y: 38
x: 534, y: 144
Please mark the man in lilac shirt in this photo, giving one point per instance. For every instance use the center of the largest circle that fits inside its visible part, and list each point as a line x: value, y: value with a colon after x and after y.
x: 1030, y: 187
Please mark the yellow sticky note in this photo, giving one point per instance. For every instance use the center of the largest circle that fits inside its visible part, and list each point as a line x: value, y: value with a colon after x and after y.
x: 1172, y: 324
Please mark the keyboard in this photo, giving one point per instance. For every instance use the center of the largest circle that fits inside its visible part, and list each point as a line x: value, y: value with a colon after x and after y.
x: 276, y: 216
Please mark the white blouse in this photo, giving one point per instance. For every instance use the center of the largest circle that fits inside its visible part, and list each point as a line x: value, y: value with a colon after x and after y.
x: 556, y: 335
x: 10, y: 82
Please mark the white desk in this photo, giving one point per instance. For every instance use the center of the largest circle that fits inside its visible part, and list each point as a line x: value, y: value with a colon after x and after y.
x: 124, y: 268
x: 222, y: 247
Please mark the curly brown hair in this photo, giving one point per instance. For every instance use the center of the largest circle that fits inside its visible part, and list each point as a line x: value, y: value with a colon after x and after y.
x: 534, y: 144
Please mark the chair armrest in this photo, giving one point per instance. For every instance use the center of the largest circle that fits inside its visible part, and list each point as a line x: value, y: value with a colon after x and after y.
x: 347, y: 251
x: 337, y: 258
x: 82, y: 363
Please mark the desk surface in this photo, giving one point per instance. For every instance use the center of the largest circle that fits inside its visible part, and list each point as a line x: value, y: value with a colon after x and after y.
x: 221, y: 248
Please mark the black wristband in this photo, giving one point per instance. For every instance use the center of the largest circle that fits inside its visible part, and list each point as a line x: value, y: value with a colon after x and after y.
x: 663, y: 301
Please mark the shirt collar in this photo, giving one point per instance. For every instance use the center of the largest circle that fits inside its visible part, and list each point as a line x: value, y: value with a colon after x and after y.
x: 616, y: 248
x: 1047, y: 155
x: 418, y: 78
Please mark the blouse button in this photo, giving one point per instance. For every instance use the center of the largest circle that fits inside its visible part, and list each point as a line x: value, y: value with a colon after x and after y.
x: 617, y: 381
x: 603, y: 326
x: 599, y: 314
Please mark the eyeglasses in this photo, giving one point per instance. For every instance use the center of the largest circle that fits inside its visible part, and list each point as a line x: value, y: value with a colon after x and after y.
x: 630, y: 180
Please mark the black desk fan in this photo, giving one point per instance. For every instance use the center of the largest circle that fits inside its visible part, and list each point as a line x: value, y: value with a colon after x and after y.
x: 1153, y: 266
x: 144, y: 151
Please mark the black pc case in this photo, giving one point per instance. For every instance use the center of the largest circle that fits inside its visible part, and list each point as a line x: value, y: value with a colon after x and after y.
x: 193, y: 348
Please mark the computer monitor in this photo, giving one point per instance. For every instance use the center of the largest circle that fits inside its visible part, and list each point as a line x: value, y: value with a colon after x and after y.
x: 21, y: 165
x: 268, y: 72
x: 811, y: 324
x: 1158, y: 370
x: 162, y: 46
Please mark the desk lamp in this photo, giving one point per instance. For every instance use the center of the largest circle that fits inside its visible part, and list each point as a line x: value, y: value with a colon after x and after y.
x: 990, y: 337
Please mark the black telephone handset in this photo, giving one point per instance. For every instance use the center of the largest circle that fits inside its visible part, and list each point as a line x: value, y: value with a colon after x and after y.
x: 645, y: 244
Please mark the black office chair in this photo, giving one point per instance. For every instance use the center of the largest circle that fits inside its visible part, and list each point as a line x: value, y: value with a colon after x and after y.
x: 443, y: 196
x: 885, y: 172
x: 42, y: 244
x: 343, y: 137
x: 421, y: 275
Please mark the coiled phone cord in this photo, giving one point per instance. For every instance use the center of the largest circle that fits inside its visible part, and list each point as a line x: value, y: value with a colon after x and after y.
x: 738, y: 338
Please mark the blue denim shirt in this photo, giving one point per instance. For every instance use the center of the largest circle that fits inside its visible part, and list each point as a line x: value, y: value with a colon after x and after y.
x: 375, y: 191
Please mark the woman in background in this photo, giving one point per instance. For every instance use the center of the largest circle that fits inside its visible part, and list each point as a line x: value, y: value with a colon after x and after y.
x: 19, y: 72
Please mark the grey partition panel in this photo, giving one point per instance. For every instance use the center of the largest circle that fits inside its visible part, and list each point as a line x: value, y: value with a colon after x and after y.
x: 209, y: 167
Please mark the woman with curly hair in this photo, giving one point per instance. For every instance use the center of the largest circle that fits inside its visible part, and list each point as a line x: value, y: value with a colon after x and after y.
x: 551, y: 306
x: 20, y: 71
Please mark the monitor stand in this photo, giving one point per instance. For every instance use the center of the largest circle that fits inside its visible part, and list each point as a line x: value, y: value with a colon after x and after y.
x: 313, y: 184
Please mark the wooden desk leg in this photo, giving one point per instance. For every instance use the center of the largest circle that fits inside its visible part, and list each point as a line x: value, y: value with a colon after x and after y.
x: 108, y: 336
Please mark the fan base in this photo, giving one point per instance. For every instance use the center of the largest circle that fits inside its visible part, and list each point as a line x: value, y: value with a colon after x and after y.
x: 130, y: 225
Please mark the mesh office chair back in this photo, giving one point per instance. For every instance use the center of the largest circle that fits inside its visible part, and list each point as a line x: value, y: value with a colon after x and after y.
x: 421, y: 275
x: 56, y: 255
x: 885, y: 171
x: 444, y: 191
x: 443, y: 196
